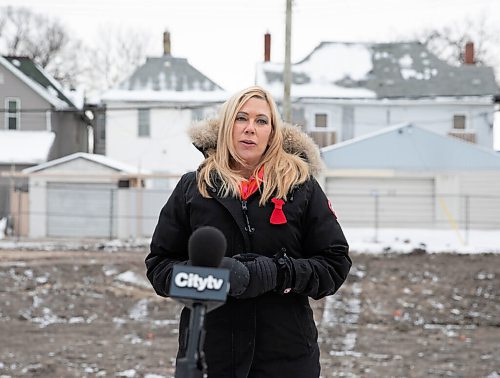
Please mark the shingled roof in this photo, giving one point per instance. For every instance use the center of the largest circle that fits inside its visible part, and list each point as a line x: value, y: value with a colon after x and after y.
x: 167, y: 78
x: 168, y: 73
x: 379, y: 70
x: 34, y: 76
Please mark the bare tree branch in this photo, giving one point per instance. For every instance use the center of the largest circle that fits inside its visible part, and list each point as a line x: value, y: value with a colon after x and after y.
x: 44, y: 40
x: 33, y: 35
x: 116, y: 54
x: 448, y: 42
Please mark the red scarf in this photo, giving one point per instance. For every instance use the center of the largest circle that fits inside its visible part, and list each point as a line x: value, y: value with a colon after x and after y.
x: 250, y: 186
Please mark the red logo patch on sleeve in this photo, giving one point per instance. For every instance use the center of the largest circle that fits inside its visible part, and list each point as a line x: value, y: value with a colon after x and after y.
x: 331, y: 209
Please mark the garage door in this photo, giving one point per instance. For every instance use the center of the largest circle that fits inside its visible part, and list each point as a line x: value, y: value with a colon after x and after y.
x: 80, y: 210
x: 382, y: 202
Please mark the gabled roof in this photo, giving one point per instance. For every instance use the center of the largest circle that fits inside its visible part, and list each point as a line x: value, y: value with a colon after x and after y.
x: 167, y: 79
x: 25, y: 147
x: 407, y: 147
x: 99, y: 159
x: 378, y: 70
x: 38, y: 80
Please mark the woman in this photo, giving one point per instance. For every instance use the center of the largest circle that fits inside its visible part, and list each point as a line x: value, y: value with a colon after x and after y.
x: 256, y: 185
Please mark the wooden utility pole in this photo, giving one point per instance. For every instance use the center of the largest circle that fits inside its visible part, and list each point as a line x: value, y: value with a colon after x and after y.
x: 287, y: 73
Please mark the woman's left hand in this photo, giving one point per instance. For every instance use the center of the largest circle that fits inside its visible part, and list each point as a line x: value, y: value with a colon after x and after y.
x: 263, y: 274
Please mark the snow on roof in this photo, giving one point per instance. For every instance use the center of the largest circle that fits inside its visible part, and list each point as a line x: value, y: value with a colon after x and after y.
x: 52, y: 93
x: 167, y: 78
x: 317, y: 75
x: 99, y: 159
x: 25, y: 147
x: 377, y: 70
x: 337, y: 61
x: 416, y: 148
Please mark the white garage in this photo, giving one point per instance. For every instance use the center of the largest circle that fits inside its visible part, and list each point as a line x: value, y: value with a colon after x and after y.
x: 76, y: 196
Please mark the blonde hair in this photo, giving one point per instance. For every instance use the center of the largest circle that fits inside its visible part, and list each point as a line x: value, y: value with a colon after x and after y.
x: 283, y: 170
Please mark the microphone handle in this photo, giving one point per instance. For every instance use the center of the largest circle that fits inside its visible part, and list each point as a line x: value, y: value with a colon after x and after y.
x: 193, y: 364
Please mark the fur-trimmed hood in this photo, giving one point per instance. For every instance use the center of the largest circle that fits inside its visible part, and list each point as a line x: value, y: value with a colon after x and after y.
x: 204, y: 137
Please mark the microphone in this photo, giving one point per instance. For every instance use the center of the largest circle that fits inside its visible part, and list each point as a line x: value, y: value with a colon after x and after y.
x: 239, y: 276
x: 206, y: 247
x: 202, y: 287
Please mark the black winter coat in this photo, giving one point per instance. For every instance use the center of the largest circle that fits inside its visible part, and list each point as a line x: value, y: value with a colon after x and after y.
x: 273, y: 335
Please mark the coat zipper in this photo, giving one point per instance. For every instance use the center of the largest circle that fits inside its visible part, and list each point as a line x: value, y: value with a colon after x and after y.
x: 248, y: 227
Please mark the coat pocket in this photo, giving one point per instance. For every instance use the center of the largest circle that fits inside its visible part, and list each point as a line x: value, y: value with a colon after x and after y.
x: 284, y: 328
x: 305, y: 320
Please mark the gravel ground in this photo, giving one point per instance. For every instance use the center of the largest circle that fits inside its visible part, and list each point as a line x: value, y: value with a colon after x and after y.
x: 93, y: 314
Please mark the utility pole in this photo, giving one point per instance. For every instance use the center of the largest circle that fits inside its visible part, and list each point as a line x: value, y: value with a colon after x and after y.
x: 287, y: 73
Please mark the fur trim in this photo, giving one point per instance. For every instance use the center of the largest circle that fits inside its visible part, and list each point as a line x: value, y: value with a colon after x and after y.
x: 295, y: 141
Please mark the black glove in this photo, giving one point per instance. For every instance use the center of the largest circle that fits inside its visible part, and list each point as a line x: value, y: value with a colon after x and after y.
x: 239, y: 276
x: 263, y: 274
x: 286, y: 273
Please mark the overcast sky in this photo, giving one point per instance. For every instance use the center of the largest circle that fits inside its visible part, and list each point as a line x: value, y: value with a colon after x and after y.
x: 224, y: 38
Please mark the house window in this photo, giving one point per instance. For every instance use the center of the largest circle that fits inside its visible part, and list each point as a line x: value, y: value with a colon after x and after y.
x: 12, y: 113
x: 101, y: 124
x: 124, y: 183
x: 459, y: 122
x: 320, y: 120
x: 144, y: 122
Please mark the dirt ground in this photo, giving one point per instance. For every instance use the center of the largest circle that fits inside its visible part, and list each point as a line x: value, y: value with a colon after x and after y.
x: 93, y: 314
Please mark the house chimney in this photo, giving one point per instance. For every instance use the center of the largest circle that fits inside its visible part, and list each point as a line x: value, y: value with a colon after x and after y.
x: 166, y: 42
x: 267, y: 47
x: 469, y: 53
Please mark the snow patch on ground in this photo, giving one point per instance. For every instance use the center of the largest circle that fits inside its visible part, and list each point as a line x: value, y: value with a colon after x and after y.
x: 75, y: 245
x: 140, y: 310
x: 361, y: 240
x: 133, y: 278
x: 366, y: 240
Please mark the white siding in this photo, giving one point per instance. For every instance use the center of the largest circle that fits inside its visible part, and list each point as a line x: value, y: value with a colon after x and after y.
x: 433, y: 116
x: 382, y: 202
x: 480, y: 193
x: 138, y: 211
x: 168, y: 149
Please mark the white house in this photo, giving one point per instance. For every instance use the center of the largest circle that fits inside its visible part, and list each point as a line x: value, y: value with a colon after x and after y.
x: 148, y: 114
x: 344, y: 90
x: 408, y: 176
